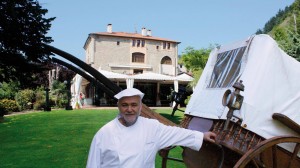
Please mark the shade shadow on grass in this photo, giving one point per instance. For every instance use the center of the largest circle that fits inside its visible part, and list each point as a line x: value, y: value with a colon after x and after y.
x: 167, y: 114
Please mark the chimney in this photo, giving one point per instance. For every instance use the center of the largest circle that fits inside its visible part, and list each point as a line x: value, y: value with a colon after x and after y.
x: 149, y: 33
x: 109, y: 28
x: 144, y: 31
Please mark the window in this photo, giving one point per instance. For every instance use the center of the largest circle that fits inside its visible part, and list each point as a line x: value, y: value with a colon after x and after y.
x: 138, y: 43
x: 137, y: 71
x: 166, y: 60
x: 164, y: 45
x: 166, y: 66
x: 138, y: 57
x: 227, y: 68
x: 118, y: 42
x: 143, y: 43
x: 157, y: 47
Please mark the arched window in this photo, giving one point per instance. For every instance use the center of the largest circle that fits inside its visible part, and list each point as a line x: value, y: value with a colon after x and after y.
x: 166, y: 60
x: 138, y: 57
x: 166, y: 66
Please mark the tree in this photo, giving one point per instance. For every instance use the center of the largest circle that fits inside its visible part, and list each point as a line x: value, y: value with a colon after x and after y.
x: 285, y: 29
x: 8, y: 90
x: 287, y: 34
x: 58, y: 92
x: 22, y: 35
x: 275, y: 21
x: 195, y: 61
x: 289, y: 42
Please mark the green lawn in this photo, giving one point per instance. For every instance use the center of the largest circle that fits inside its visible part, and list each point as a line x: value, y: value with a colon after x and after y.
x: 58, y: 138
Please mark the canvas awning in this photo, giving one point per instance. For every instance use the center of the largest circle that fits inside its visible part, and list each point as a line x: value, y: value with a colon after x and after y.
x: 184, y: 77
x: 152, y: 76
x: 130, y: 79
x: 113, y: 75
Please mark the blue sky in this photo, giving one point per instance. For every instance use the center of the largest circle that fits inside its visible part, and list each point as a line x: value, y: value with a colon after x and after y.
x: 195, y: 23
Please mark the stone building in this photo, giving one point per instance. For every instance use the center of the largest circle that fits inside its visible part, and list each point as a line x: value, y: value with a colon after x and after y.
x: 137, y: 60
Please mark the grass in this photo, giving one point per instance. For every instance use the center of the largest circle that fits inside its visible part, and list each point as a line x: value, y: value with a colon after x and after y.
x: 58, y: 138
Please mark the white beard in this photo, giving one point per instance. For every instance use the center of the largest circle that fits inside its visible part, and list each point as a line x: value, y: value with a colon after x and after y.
x: 129, y: 123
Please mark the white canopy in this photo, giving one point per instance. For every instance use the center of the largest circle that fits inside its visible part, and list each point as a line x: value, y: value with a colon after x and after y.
x: 271, y: 79
x: 112, y: 75
x: 152, y: 76
x: 145, y: 76
x: 184, y: 77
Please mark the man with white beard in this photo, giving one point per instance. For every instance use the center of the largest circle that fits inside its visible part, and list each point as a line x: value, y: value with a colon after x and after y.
x: 131, y: 140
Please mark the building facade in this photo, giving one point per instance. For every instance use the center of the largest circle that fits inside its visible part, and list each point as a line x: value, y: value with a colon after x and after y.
x: 133, y: 55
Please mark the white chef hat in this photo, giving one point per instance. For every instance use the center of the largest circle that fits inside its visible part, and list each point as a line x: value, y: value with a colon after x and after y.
x: 129, y: 92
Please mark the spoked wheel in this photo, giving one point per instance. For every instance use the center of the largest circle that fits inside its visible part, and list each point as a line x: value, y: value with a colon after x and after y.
x: 269, y: 154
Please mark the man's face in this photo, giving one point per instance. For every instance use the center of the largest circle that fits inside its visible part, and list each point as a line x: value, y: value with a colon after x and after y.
x: 130, y: 108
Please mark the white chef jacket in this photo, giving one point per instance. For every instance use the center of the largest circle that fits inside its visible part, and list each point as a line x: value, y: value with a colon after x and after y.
x: 118, y: 146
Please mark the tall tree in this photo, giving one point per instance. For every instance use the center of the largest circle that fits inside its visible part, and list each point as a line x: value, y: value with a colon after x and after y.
x: 285, y: 29
x: 195, y: 61
x: 287, y: 33
x: 289, y: 41
x: 23, y: 30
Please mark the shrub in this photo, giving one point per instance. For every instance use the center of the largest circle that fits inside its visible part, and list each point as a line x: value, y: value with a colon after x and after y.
x: 59, y: 93
x: 40, y: 99
x: 8, y: 90
x: 7, y: 105
x: 62, y: 101
x: 24, y: 99
x: 39, y: 105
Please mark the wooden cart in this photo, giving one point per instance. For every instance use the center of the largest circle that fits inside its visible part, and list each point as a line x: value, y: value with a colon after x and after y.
x: 272, y: 83
x: 237, y: 147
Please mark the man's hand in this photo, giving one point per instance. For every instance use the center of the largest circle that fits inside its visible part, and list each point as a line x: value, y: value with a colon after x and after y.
x: 210, y: 137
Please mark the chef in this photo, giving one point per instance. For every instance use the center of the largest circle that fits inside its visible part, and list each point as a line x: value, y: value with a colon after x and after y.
x: 131, y: 140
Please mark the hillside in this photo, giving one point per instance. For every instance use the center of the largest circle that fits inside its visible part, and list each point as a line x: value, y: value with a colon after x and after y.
x: 284, y: 27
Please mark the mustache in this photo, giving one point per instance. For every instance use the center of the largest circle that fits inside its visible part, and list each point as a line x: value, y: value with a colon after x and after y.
x: 129, y: 113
